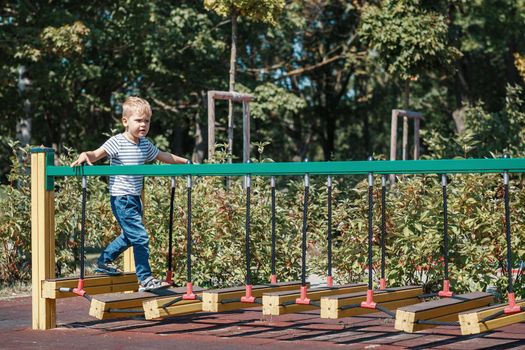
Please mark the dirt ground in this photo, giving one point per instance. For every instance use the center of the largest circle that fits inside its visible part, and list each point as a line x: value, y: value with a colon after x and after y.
x: 231, y: 330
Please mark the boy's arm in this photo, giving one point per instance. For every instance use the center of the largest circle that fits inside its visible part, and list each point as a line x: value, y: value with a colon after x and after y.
x: 169, y: 158
x: 90, y: 157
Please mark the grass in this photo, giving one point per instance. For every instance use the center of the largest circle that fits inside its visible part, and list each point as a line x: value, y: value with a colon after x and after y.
x: 16, y: 289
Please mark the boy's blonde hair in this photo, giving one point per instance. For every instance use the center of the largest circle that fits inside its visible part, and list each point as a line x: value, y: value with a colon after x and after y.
x: 135, y: 105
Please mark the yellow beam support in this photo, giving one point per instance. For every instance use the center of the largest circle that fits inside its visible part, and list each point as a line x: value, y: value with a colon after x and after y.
x: 97, y: 284
x: 42, y: 241
x: 273, y: 302
x: 212, y: 300
x: 446, y: 309
x: 391, y: 298
x: 153, y: 308
x: 470, y: 321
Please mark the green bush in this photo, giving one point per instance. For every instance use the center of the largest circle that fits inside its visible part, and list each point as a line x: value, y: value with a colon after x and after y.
x: 414, y: 228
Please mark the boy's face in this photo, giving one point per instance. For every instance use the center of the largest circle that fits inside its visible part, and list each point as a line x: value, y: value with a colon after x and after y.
x: 137, y: 125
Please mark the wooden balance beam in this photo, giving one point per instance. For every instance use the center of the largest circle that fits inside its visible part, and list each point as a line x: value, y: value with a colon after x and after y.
x: 442, y: 310
x: 97, y: 284
x: 471, y: 321
x: 154, y: 308
x: 390, y: 298
x: 216, y: 300
x: 117, y: 305
x: 273, y: 302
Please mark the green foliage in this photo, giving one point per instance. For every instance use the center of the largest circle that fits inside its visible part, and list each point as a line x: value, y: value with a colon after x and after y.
x: 486, y: 134
x: 275, y: 111
x: 260, y: 11
x: 408, y: 36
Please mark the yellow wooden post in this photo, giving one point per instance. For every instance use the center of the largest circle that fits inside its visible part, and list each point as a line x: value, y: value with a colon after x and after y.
x: 42, y: 237
x: 129, y: 261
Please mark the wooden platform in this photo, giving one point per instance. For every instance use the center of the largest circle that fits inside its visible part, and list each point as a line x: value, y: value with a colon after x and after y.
x: 153, y: 308
x: 273, y: 302
x: 101, y: 304
x: 212, y: 300
x: 470, y: 321
x: 97, y: 284
x: 444, y: 310
x: 390, y: 298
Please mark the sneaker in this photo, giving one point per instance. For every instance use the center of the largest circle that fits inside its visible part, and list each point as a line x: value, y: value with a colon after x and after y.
x: 151, y: 283
x: 108, y: 269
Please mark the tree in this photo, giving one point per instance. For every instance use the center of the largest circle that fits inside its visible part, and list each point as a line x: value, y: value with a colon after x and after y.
x: 410, y: 38
x: 265, y: 11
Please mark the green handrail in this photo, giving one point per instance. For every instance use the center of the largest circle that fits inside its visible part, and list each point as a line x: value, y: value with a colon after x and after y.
x: 449, y: 166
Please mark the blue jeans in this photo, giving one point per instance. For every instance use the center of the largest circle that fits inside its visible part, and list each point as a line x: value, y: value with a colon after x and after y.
x: 128, y: 212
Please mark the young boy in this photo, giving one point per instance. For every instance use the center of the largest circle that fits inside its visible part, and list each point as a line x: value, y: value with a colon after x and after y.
x: 130, y: 148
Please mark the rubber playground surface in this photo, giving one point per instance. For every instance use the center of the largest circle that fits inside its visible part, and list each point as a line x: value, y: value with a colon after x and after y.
x: 246, y: 328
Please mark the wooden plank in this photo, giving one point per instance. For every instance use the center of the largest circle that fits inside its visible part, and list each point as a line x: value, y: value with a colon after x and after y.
x: 273, y: 302
x: 101, y: 305
x: 470, y: 321
x: 212, y: 299
x: 446, y: 309
x: 163, y: 292
x: 96, y: 284
x: 391, y: 298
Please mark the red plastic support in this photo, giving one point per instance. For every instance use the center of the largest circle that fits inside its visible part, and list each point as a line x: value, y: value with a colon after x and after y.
x: 169, y: 277
x: 273, y: 279
x: 382, y: 284
x: 329, y: 281
x: 446, y: 292
x: 512, y: 308
x: 79, y: 290
x: 369, y: 303
x: 304, y: 298
x: 189, y: 292
x: 248, y: 298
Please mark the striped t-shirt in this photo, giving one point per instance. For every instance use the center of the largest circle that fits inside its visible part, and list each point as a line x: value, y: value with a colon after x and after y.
x: 122, y: 151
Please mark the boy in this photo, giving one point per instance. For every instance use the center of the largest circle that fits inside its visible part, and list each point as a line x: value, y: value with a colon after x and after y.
x: 130, y: 148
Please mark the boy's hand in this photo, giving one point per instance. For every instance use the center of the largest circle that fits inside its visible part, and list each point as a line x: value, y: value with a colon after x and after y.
x: 90, y: 157
x: 82, y: 158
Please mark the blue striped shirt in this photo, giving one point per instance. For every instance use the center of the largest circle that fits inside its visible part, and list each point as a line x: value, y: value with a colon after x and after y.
x: 122, y: 151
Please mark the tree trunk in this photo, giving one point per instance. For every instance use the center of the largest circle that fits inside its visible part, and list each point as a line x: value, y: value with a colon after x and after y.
x: 405, y: 120
x: 201, y: 134
x: 407, y: 94
x: 233, y: 58
x: 23, y: 125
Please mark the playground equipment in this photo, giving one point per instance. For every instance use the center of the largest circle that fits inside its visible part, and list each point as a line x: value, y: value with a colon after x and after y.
x: 416, y: 117
x: 226, y: 299
x: 284, y: 302
x: 496, y: 316
x: 43, y: 173
x: 385, y: 299
x: 158, y: 303
x: 234, y: 97
x: 177, y: 304
x: 444, y: 311
x: 117, y: 304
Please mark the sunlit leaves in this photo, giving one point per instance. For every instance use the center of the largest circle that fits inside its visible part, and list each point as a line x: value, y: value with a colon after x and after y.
x: 261, y: 11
